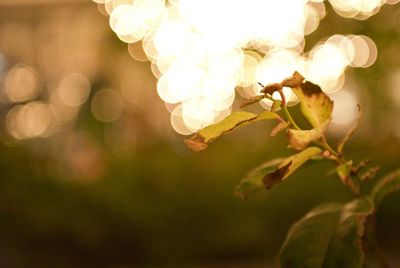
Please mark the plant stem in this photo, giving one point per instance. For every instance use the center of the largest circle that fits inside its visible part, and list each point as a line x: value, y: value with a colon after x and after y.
x: 353, y: 187
x: 286, y: 111
x: 290, y: 118
x: 326, y: 146
x: 339, y: 161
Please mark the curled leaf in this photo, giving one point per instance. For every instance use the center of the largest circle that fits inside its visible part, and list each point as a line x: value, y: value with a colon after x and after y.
x: 273, y: 172
x: 356, y: 169
x: 315, y: 105
x: 251, y: 100
x: 328, y: 236
x: 275, y: 177
x: 294, y: 81
x: 278, y: 128
x: 299, y: 139
x: 370, y: 173
x: 196, y: 143
x: 385, y: 186
x: 350, y: 133
x: 253, y: 181
x: 202, y: 138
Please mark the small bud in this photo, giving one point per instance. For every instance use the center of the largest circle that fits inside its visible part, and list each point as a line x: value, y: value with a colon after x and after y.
x: 326, y: 153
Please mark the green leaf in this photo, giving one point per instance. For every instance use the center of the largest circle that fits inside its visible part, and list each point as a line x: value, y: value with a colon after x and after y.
x: 299, y: 139
x: 315, y: 105
x: 344, y: 171
x: 385, y: 186
x: 328, y: 236
x: 201, y: 139
x: 273, y: 172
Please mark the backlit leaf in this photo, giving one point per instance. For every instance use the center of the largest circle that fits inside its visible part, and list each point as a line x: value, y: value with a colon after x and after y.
x: 328, y: 236
x: 273, y: 172
x: 315, y: 105
x: 299, y: 139
x: 202, y: 138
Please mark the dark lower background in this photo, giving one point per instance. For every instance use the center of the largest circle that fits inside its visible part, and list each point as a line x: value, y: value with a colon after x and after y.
x: 165, y: 206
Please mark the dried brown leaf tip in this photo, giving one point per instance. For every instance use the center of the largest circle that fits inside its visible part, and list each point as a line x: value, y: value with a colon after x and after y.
x: 311, y: 89
x: 370, y: 173
x: 277, y: 176
x: 271, y: 88
x: 278, y: 128
x: 294, y: 81
x: 252, y: 100
x: 196, y: 143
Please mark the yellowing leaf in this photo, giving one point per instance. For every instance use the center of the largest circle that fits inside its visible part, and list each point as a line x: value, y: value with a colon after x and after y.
x: 273, y: 172
x: 201, y: 139
x: 328, y: 236
x: 299, y: 139
x: 315, y: 105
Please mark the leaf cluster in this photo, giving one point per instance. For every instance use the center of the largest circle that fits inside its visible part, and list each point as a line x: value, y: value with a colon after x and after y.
x: 317, y: 109
x: 331, y: 235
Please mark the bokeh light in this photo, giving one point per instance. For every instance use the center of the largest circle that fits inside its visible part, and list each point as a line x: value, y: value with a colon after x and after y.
x: 345, y: 111
x: 202, y: 51
x: 74, y: 89
x: 21, y: 83
x: 30, y: 120
x: 358, y: 9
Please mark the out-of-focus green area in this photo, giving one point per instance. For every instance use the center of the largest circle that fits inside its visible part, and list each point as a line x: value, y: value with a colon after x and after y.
x: 129, y: 194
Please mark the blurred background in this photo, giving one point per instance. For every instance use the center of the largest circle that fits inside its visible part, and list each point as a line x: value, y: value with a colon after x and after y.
x: 93, y: 169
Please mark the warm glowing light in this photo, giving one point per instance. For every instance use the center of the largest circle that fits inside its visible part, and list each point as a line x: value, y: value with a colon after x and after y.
x: 201, y: 51
x: 250, y: 64
x: 358, y: 9
x: 136, y: 51
x: 131, y: 20
x: 28, y: 121
x: 74, y: 89
x: 312, y: 19
x: 21, y: 83
x: 345, y: 110
x: 177, y: 122
x: 365, y: 49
